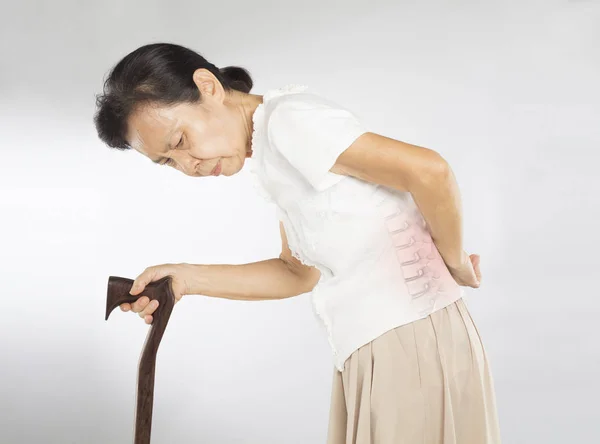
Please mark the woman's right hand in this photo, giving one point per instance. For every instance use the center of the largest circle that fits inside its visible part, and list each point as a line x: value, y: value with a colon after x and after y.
x: 181, y: 278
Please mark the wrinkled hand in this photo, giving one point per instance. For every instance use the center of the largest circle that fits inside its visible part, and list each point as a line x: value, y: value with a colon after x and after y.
x: 181, y: 275
x: 468, y: 273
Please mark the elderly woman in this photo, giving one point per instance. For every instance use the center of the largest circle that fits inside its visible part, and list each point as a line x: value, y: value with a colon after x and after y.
x: 371, y: 226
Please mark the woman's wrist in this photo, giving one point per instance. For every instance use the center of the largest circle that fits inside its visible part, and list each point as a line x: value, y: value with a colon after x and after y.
x: 197, y: 278
x: 457, y: 263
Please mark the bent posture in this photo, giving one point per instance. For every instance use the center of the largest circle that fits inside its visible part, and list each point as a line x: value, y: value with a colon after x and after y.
x: 370, y: 226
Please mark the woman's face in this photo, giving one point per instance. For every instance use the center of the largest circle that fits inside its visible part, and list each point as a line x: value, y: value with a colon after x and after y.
x: 210, y: 138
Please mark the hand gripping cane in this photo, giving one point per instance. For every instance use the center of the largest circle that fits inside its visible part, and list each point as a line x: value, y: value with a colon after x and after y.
x: 118, y: 293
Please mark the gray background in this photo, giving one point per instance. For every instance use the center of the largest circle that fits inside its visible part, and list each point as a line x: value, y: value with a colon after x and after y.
x: 507, y: 91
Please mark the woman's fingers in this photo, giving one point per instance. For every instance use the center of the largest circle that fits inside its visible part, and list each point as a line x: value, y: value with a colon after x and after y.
x: 150, y: 274
x: 140, y: 304
x: 146, y: 313
x: 142, y: 280
x: 143, y: 306
x: 149, y: 308
x: 476, y: 260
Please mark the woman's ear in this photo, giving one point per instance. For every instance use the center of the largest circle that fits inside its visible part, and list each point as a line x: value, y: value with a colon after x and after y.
x: 208, y: 85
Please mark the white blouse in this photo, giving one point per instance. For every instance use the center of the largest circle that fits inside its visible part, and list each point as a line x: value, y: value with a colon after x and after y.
x: 379, y: 266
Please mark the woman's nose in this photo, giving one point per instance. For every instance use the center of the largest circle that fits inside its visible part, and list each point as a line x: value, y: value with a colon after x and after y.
x: 190, y: 165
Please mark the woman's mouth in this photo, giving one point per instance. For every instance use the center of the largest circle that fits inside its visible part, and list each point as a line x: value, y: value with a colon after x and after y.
x: 217, y: 169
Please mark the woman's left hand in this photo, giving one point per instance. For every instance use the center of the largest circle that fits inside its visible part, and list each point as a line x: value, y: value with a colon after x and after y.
x: 468, y: 273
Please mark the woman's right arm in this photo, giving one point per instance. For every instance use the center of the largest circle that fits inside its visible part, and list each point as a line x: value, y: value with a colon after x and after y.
x: 276, y: 278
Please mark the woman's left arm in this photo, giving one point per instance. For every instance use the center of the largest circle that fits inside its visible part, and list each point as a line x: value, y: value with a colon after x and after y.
x: 422, y: 172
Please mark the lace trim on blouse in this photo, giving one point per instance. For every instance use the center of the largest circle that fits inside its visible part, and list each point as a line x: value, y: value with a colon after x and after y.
x: 257, y: 161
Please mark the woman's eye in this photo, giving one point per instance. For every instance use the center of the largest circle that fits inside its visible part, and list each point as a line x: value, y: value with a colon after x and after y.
x: 170, y: 161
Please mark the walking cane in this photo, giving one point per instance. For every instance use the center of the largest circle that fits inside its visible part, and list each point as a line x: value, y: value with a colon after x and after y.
x: 118, y: 293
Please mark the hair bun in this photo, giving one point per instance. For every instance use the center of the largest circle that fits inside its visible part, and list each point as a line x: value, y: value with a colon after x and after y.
x: 237, y: 78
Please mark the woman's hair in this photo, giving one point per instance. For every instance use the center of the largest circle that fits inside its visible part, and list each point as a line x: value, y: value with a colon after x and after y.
x: 158, y: 73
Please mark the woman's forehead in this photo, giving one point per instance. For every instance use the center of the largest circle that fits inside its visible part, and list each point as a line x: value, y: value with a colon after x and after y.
x: 149, y: 117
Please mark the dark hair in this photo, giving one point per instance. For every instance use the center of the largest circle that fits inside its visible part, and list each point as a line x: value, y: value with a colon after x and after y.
x: 159, y: 73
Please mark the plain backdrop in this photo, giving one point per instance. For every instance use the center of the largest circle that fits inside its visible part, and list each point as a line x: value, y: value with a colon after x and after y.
x: 506, y: 91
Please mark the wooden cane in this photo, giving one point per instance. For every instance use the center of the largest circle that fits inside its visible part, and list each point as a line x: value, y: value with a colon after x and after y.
x: 118, y: 293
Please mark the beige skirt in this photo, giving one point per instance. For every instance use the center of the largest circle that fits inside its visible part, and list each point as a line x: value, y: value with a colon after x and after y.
x: 427, y: 382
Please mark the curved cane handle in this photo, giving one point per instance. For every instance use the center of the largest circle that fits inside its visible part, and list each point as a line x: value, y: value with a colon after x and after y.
x: 117, y: 294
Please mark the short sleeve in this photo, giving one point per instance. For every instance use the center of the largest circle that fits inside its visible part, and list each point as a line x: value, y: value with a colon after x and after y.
x: 311, y: 131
